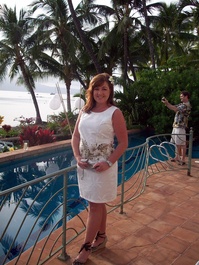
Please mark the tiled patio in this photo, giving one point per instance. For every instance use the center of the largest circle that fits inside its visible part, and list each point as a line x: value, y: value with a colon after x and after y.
x: 161, y: 227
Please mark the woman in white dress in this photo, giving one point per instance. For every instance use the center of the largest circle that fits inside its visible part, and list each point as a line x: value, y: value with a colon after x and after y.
x: 93, y: 147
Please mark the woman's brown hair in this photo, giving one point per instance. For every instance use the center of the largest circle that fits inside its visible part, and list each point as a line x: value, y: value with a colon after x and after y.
x: 96, y: 81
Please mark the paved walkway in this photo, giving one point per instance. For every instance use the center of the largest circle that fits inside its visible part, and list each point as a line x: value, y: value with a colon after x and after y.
x: 161, y: 227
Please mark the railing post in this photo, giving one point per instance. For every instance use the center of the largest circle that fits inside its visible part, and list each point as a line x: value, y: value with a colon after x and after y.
x: 190, y: 151
x: 64, y: 256
x: 147, y: 161
x: 122, y: 184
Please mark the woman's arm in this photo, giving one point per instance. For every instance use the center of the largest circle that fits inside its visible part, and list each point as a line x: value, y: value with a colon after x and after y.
x: 121, y: 134
x: 75, y: 145
x: 76, y: 139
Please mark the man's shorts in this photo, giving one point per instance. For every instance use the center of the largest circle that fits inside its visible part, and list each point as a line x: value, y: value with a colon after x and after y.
x: 178, y: 136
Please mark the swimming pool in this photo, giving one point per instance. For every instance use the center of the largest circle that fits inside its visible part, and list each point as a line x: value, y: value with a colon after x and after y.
x: 23, y: 170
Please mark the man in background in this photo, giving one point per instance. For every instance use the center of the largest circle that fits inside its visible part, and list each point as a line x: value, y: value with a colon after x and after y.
x: 182, y: 112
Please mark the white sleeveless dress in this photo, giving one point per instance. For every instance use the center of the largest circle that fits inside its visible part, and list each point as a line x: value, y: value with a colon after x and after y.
x: 96, y: 144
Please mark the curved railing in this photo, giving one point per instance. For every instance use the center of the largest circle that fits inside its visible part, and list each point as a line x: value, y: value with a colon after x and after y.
x: 162, y: 150
x: 136, y: 165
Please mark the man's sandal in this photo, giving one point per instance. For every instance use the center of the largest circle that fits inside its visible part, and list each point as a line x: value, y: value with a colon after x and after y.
x: 101, y: 245
x: 87, y: 247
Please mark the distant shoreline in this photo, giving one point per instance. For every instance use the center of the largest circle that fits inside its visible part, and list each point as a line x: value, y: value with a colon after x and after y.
x: 17, y: 104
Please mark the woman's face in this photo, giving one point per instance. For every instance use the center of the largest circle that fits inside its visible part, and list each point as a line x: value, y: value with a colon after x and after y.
x: 101, y: 93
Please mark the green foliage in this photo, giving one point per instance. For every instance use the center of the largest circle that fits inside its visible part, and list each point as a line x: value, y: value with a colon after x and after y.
x: 6, y: 128
x: 50, y: 46
x: 12, y: 133
x: 37, y: 135
x: 59, y: 123
x: 127, y: 102
x: 5, y: 149
x: 26, y: 121
x: 8, y: 149
x: 153, y: 85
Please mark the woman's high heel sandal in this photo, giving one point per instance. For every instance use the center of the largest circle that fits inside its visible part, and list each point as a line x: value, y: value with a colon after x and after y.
x: 87, y: 247
x: 101, y: 245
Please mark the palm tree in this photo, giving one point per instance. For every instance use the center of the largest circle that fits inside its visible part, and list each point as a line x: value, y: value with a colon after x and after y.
x: 123, y: 23
x: 15, y: 51
x: 122, y: 42
x: 173, y: 33
x: 196, y: 17
x: 191, y: 8
x: 144, y: 10
x: 83, y: 37
x: 62, y: 46
x: 97, y: 17
x: 56, y: 41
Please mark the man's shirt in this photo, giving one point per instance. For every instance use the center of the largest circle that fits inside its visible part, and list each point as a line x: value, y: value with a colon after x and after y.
x: 182, y: 115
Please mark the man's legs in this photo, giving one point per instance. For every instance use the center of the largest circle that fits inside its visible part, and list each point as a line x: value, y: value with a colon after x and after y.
x: 178, y: 153
x: 183, y: 152
x: 179, y: 138
x: 174, y: 140
x: 181, y: 145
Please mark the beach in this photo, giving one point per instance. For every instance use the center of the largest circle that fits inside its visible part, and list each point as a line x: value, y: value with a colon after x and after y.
x: 16, y: 104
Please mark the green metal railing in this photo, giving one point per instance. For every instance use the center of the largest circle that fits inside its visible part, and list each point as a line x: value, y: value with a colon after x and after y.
x: 137, y: 164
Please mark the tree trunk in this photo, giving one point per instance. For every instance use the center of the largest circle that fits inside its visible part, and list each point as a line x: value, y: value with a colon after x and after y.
x: 125, y: 46
x: 31, y: 90
x: 148, y: 34
x: 83, y: 38
x: 68, y: 85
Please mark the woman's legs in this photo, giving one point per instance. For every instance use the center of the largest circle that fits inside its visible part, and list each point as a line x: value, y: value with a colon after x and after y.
x: 102, y: 228
x: 96, y: 222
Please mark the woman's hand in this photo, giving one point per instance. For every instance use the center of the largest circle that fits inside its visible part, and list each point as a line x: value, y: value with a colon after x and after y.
x: 83, y: 163
x: 101, y: 166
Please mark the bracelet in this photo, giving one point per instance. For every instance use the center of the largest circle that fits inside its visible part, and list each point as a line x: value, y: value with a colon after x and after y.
x: 109, y: 163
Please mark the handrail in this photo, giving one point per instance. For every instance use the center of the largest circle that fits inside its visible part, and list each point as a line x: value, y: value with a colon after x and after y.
x: 136, y: 165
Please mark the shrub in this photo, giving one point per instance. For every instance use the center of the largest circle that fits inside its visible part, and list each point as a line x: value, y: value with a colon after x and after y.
x: 14, y: 132
x: 6, y: 128
x: 37, y: 135
x: 59, y: 123
x: 25, y: 121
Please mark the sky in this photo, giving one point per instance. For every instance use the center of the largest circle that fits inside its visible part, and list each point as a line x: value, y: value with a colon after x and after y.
x: 24, y: 3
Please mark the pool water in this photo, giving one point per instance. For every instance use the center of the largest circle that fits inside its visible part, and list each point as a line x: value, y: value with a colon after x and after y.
x: 24, y: 170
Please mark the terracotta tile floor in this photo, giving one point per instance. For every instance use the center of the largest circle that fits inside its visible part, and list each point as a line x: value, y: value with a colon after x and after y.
x: 161, y: 227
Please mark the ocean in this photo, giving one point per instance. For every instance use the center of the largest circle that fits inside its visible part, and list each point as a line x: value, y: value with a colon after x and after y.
x: 16, y: 104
